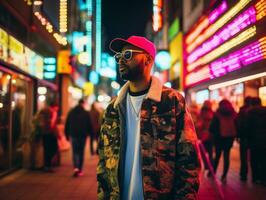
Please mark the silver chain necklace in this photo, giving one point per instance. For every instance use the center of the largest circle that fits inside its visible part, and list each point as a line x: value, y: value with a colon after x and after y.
x: 136, y: 113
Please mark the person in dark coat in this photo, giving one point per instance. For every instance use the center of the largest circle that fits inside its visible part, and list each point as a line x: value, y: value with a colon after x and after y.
x: 256, y: 126
x: 224, y: 131
x: 241, y: 125
x: 78, y: 126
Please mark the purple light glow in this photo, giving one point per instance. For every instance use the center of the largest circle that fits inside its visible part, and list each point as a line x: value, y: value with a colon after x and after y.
x: 252, y: 53
x: 247, y: 18
x: 214, y: 15
x: 243, y: 57
x: 217, y: 12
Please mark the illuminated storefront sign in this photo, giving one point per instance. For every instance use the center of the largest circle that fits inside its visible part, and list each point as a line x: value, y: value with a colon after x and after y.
x: 3, y: 45
x: 63, y: 65
x: 247, y: 55
x: 200, y: 75
x: 240, y: 23
x: 98, y: 42
x: 49, y: 70
x: 89, y: 42
x: 157, y: 15
x: 176, y: 52
x: 202, y: 55
x: 38, y: 64
x: 250, y: 32
x: 14, y: 52
x: 217, y: 25
x: 206, y: 21
x: 34, y: 63
x: 174, y: 29
x: 253, y: 52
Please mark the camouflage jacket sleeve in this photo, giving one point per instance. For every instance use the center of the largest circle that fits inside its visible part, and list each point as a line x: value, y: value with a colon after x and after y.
x: 101, y: 172
x: 187, y: 157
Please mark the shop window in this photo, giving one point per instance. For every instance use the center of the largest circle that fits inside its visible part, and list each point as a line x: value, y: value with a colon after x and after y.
x: 5, y: 80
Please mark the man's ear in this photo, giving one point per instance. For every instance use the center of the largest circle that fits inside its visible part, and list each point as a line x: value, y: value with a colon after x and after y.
x: 148, y: 60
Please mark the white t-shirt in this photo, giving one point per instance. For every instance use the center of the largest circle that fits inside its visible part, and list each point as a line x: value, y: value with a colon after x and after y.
x: 133, y: 186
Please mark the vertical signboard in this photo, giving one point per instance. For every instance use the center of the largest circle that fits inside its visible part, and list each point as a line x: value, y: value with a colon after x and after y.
x: 63, y: 65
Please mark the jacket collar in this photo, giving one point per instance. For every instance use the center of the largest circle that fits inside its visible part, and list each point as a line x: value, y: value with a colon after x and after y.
x: 154, y: 92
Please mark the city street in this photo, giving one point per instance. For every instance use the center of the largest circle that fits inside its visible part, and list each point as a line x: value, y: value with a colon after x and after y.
x: 134, y: 75
x: 27, y: 185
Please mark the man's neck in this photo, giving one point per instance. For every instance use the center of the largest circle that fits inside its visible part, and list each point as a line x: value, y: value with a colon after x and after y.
x: 140, y: 85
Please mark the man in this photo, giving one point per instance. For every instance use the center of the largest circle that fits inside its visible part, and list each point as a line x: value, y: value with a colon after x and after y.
x: 78, y: 126
x: 242, y: 135
x: 256, y: 134
x: 147, y: 144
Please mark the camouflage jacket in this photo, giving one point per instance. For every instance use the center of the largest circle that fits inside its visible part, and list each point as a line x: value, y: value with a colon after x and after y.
x: 170, y: 160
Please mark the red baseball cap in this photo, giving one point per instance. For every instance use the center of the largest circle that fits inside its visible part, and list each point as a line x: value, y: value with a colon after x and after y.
x: 117, y: 44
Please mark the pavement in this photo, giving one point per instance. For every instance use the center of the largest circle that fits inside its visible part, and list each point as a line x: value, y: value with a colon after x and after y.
x: 60, y: 185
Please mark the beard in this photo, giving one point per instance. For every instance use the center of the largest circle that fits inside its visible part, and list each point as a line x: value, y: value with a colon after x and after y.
x: 131, y: 74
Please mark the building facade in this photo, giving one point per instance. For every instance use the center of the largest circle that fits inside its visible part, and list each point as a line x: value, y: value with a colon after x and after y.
x: 29, y: 41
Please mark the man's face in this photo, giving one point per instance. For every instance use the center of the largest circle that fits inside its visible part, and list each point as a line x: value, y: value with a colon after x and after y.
x: 132, y: 69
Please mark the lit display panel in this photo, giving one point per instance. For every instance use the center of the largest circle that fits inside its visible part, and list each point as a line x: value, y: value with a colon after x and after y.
x: 217, y: 25
x: 240, y: 23
x: 206, y: 21
x: 201, y: 63
x: 254, y: 52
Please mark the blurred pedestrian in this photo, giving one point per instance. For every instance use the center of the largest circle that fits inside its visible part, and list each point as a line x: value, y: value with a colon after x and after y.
x: 242, y: 133
x: 224, y: 131
x: 256, y: 125
x: 203, y: 125
x: 77, y: 128
x: 47, y: 133
x: 95, y: 118
x: 147, y: 144
x: 194, y: 112
x: 54, y: 108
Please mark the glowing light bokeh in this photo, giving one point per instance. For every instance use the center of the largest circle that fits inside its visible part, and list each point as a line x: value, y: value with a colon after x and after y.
x: 245, y: 35
x: 217, y: 25
x: 244, y: 20
x: 254, y: 52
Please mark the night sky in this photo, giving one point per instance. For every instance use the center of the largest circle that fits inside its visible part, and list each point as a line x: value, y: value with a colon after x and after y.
x: 122, y: 18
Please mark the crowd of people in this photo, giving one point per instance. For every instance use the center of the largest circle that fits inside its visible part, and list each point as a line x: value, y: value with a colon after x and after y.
x: 218, y: 130
x: 79, y: 125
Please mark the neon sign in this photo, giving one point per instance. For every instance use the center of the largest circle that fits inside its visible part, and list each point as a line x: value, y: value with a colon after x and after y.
x: 157, y: 15
x: 206, y: 21
x: 240, y: 23
x: 253, y: 52
x: 247, y: 55
x: 210, y: 47
x: 245, y: 35
x: 217, y: 25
